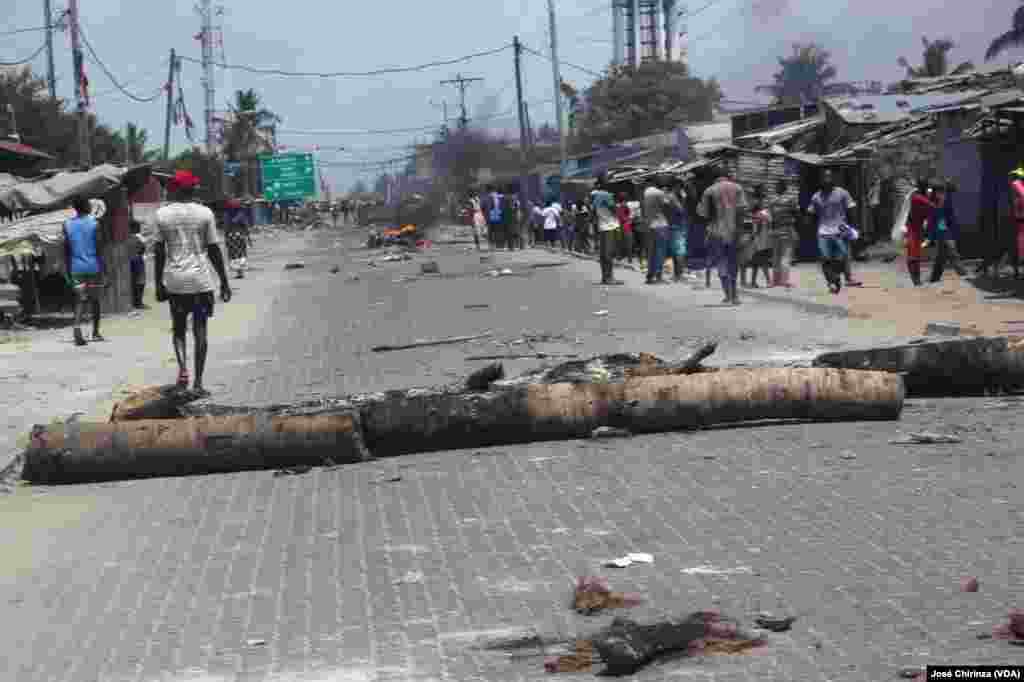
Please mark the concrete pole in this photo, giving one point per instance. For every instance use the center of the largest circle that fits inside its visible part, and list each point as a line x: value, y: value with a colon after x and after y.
x: 170, y: 105
x: 84, y: 152
x: 523, y: 160
x: 557, y: 73
x: 51, y: 71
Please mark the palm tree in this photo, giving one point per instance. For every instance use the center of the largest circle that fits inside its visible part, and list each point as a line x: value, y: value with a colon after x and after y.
x: 134, y: 140
x: 244, y: 138
x: 936, y: 61
x: 804, y: 76
x: 1012, y: 38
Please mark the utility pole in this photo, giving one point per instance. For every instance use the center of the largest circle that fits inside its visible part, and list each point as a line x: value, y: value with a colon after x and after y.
x: 205, y: 10
x: 558, y: 89
x: 524, y: 162
x: 170, y: 104
x: 51, y: 72
x: 84, y: 151
x: 461, y: 84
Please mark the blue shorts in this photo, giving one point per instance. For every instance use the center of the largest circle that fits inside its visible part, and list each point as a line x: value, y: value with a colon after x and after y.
x: 833, y: 248
x: 199, y: 305
x: 677, y: 243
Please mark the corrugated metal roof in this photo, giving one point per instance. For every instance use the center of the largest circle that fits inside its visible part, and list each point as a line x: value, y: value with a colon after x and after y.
x: 784, y: 132
x: 882, y: 109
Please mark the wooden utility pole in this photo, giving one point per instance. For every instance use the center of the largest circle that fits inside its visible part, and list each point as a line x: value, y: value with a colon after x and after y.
x: 461, y: 84
x: 524, y: 162
x: 51, y: 71
x: 172, y: 71
x: 84, y: 150
x: 557, y: 72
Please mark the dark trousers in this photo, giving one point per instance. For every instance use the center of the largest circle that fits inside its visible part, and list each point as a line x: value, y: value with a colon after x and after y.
x: 607, y: 244
x: 658, y: 248
x: 640, y: 239
x: 946, y: 252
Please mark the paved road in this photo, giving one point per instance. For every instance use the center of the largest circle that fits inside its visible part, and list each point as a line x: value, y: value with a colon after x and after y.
x: 345, y: 575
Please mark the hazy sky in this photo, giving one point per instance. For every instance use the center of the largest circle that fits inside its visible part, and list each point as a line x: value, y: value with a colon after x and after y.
x: 736, y: 40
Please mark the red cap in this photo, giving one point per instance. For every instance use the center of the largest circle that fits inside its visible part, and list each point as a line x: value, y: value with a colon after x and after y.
x: 184, y: 179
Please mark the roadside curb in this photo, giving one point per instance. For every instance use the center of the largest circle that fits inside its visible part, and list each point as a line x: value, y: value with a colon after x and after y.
x: 812, y: 307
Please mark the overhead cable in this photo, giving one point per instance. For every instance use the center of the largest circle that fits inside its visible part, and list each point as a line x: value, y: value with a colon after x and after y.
x: 26, y: 60
x: 354, y: 74
x: 564, y: 63
x: 23, y: 30
x: 99, y: 62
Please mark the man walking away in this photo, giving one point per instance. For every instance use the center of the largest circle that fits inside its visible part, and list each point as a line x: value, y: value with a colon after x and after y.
x: 138, y: 266
x: 83, y: 265
x: 552, y: 219
x: 636, y: 219
x: 721, y: 205
x: 944, y: 232
x: 655, y: 210
x: 604, y: 208
x: 186, y: 244
x: 831, y: 206
x: 492, y: 207
x: 1017, y: 211
x: 784, y: 213
x: 678, y: 229
x: 625, y: 217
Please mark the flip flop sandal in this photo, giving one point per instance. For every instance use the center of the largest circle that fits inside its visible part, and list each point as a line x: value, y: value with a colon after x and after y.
x: 183, y: 379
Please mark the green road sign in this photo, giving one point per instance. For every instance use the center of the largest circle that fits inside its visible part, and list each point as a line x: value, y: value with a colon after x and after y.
x: 289, y: 176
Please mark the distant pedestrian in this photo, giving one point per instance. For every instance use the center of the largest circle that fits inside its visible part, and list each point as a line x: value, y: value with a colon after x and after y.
x: 552, y: 220
x: 755, y: 251
x: 137, y: 265
x: 186, y: 245
x: 510, y: 226
x: 636, y: 219
x: 785, y: 212
x: 537, y: 216
x: 721, y: 205
x: 492, y: 204
x: 831, y: 206
x: 479, y: 221
x: 944, y: 231
x: 922, y: 209
x: 604, y: 209
x: 625, y: 217
x: 1017, y: 212
x: 656, y: 213
x: 678, y: 228
x: 83, y: 265
x: 236, y: 235
x: 581, y: 217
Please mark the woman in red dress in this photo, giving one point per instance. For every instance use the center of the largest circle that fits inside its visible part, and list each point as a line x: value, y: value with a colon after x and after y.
x: 921, y: 209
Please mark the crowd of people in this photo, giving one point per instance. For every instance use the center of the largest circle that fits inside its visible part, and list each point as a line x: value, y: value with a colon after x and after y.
x: 745, y: 237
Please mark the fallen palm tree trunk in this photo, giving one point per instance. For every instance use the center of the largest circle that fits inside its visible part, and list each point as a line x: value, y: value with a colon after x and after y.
x: 956, y: 366
x: 153, y: 402
x: 218, y: 439
x: 80, y: 452
x: 403, y: 422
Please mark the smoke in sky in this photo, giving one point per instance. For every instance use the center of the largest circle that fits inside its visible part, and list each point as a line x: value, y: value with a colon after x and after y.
x: 769, y: 9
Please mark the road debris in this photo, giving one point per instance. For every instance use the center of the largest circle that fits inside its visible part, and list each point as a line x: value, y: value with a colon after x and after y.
x: 712, y: 570
x: 430, y: 268
x: 630, y: 559
x: 476, y: 306
x: 334, y: 270
x: 1012, y: 630
x: 411, y: 578
x: 256, y: 642
x: 548, y: 265
x: 352, y: 278
x: 593, y: 595
x: 747, y: 336
x: 927, y: 439
x: 521, y: 356
x: 579, y: 662
x: 293, y: 471
x: 481, y: 379
x: 601, y: 313
x: 775, y: 623
x: 393, y: 479
x: 294, y: 266
x: 432, y: 342
x: 650, y: 365
x: 610, y: 432
x: 626, y: 646
x: 913, y: 674
x: 969, y: 584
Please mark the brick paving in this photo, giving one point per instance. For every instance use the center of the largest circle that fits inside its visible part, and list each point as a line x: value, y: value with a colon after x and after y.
x: 342, y: 574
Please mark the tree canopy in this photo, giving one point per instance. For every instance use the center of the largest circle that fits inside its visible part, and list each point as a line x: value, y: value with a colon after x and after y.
x: 636, y: 101
x: 806, y: 75
x: 243, y: 137
x: 935, y: 61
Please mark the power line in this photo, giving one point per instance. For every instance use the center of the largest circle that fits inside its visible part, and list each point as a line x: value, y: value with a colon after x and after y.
x: 136, y: 79
x: 353, y: 74
x: 565, y: 63
x: 99, y: 62
x: 27, y: 60
x: 22, y: 30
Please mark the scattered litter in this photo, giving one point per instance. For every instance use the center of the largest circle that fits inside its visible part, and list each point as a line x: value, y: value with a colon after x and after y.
x: 592, y: 595
x: 578, y: 662
x: 912, y: 674
x: 774, y: 623
x: 711, y: 570
x: 294, y: 266
x: 476, y: 306
x: 848, y: 455
x: 335, y: 269
x: 430, y: 268
x: 610, y: 432
x: 927, y: 439
x: 630, y: 559
x: 353, y: 278
x: 747, y: 336
x: 293, y: 471
x: 410, y: 578
x: 393, y: 479
x: 601, y: 313
x: 256, y: 642
x: 431, y: 342
x: 1014, y: 629
x: 969, y: 585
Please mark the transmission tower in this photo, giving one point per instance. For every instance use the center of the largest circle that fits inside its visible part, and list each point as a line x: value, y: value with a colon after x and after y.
x: 207, y: 38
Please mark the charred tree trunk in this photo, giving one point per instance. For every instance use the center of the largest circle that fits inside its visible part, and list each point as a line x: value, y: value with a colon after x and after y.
x: 956, y: 366
x: 81, y: 452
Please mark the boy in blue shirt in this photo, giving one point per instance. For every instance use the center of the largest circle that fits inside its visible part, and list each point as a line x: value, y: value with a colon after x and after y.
x: 83, y: 265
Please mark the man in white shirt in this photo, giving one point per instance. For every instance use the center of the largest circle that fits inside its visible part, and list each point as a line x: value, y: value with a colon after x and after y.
x: 607, y: 223
x: 552, y: 219
x: 186, y: 244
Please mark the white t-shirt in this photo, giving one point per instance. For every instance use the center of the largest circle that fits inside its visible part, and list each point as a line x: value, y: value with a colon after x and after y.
x: 551, y: 215
x: 186, y: 230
